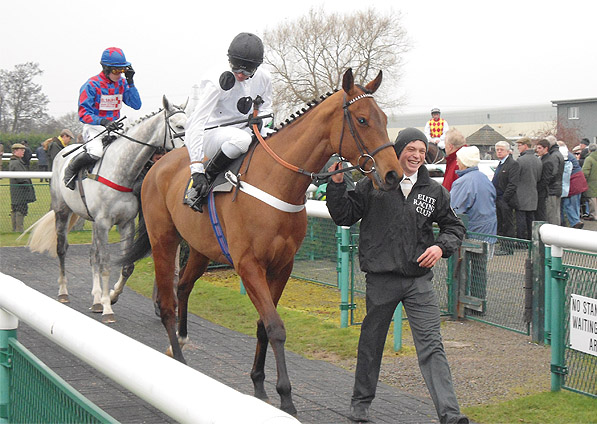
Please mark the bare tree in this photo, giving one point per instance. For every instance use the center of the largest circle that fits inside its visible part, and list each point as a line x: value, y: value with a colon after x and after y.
x: 23, y: 105
x: 310, y: 55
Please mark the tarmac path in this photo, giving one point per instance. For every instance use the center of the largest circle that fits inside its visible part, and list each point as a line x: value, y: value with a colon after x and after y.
x: 321, y: 391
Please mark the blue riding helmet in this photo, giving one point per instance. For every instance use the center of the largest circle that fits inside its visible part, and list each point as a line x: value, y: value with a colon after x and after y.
x: 114, y: 57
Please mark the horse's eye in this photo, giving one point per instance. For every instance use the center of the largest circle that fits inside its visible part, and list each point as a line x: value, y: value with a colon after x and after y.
x: 362, y: 121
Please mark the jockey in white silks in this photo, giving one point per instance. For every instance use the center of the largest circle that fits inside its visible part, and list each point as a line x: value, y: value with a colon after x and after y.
x: 100, y: 101
x: 228, y: 100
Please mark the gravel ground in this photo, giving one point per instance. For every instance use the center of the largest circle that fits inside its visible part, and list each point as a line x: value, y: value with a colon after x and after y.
x: 488, y: 364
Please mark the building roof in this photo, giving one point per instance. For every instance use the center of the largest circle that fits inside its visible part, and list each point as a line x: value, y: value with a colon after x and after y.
x: 485, y: 136
x: 563, y: 102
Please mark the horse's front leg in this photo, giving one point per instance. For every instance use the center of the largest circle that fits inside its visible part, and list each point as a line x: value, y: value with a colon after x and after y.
x: 96, y: 287
x: 127, y: 235
x: 194, y: 268
x: 265, y: 296
x: 258, y: 370
x: 62, y: 219
x: 102, y: 255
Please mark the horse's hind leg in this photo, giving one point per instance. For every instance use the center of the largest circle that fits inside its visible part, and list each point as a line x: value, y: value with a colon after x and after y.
x: 62, y: 219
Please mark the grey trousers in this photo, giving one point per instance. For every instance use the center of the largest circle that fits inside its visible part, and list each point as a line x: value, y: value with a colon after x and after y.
x: 384, y: 292
x: 553, y: 209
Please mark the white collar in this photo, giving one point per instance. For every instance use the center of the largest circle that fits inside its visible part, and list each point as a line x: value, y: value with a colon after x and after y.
x: 412, y: 178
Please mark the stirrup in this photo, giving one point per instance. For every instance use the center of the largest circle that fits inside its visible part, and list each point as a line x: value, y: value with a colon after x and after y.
x: 192, y: 198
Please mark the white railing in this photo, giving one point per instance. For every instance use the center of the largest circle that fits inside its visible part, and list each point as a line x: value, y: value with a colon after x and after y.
x: 176, y: 389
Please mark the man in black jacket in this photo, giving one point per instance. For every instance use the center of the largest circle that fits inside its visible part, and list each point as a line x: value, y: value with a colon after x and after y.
x: 397, y: 250
x: 505, y: 181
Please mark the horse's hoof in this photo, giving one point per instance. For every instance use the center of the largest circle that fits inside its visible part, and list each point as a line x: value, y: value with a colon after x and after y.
x: 169, y: 352
x: 289, y: 409
x: 96, y: 308
x: 108, y: 319
x: 63, y: 298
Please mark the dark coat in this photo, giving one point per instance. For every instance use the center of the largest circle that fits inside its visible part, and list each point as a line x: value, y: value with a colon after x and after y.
x: 395, y: 231
x: 554, y: 187
x: 21, y: 189
x: 530, y: 174
x: 506, y: 182
x: 54, y: 148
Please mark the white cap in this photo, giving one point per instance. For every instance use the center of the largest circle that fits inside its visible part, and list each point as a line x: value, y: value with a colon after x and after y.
x: 469, y: 156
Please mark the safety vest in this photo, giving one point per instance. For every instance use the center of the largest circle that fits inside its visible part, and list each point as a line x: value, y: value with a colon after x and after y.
x: 436, y: 128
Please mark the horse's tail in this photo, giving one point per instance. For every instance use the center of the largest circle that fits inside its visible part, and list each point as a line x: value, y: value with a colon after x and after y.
x: 140, y: 248
x: 43, y: 237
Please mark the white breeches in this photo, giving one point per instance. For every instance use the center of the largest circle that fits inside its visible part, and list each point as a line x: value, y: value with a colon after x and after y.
x: 94, y: 147
x: 232, y: 141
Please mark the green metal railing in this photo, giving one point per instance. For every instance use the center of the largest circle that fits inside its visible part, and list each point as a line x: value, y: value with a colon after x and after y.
x: 30, y: 392
x: 571, y: 369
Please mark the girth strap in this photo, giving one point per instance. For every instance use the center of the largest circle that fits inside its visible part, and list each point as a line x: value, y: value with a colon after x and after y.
x: 215, y: 223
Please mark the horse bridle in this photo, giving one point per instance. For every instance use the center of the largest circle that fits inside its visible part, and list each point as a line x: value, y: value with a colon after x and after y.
x: 168, y: 131
x: 355, y: 135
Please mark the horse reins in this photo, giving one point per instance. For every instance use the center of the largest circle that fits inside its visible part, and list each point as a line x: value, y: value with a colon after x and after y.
x: 168, y: 131
x: 355, y: 135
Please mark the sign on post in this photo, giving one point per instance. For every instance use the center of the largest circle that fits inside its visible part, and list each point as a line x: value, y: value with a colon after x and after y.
x: 583, y: 324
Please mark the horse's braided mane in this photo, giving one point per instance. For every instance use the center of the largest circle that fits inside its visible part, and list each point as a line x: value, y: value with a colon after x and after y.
x: 303, y: 110
x: 143, y: 118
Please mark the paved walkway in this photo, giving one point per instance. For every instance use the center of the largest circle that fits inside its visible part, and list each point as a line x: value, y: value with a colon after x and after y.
x: 321, y: 391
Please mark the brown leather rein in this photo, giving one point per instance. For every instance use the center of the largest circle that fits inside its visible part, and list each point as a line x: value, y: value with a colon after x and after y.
x: 355, y: 135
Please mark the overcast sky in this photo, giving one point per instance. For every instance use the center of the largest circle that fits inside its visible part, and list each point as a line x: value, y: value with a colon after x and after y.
x: 466, y: 54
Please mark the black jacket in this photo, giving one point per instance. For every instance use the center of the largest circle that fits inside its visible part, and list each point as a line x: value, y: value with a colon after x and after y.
x: 395, y: 231
x: 506, y: 182
x: 555, y: 170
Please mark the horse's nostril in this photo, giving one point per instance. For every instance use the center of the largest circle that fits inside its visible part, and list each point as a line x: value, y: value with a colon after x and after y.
x: 392, y: 179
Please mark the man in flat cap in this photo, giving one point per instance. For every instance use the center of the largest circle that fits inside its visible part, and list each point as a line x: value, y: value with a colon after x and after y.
x: 397, y: 250
x: 21, y: 189
x: 57, y: 144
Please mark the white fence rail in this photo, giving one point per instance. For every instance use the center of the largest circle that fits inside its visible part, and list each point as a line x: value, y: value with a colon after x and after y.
x: 177, y: 390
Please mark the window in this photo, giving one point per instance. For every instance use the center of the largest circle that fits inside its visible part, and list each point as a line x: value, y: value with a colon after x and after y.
x: 573, y: 112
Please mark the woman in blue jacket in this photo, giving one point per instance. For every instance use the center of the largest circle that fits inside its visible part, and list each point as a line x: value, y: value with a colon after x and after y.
x: 473, y: 195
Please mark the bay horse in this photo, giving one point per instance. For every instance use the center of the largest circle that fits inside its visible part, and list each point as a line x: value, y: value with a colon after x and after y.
x: 435, y: 155
x: 104, y: 197
x: 262, y: 236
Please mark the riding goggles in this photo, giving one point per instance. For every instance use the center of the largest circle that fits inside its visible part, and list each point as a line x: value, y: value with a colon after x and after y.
x: 246, y: 68
x: 118, y: 70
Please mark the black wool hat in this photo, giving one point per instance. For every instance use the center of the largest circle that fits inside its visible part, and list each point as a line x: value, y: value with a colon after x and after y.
x: 406, y: 136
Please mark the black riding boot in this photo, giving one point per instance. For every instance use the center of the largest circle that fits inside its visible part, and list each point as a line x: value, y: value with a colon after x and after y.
x: 197, y: 194
x: 80, y: 161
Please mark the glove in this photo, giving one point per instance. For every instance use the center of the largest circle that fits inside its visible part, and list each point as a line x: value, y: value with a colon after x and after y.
x: 200, y: 183
x: 257, y: 121
x: 111, y: 125
x: 128, y: 74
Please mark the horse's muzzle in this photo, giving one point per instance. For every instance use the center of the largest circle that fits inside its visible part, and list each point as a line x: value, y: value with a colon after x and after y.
x: 390, y: 182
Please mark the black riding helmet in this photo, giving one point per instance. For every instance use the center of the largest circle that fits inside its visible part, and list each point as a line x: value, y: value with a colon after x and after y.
x: 245, y: 53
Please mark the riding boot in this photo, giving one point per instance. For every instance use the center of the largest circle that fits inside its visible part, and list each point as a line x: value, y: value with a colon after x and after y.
x: 80, y: 161
x: 197, y: 194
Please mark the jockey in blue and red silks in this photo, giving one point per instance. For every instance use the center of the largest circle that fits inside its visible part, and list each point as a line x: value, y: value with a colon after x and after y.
x: 100, y: 101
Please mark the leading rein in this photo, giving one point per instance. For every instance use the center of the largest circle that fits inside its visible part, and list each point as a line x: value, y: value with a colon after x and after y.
x: 365, y: 154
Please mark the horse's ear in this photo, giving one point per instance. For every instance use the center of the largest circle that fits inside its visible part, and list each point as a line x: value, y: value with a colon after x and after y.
x: 184, y: 105
x: 348, y: 81
x: 374, y: 85
x: 166, y: 103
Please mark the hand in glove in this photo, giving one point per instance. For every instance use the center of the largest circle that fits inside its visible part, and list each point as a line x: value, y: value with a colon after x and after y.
x: 111, y: 125
x: 253, y: 121
x: 128, y: 74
